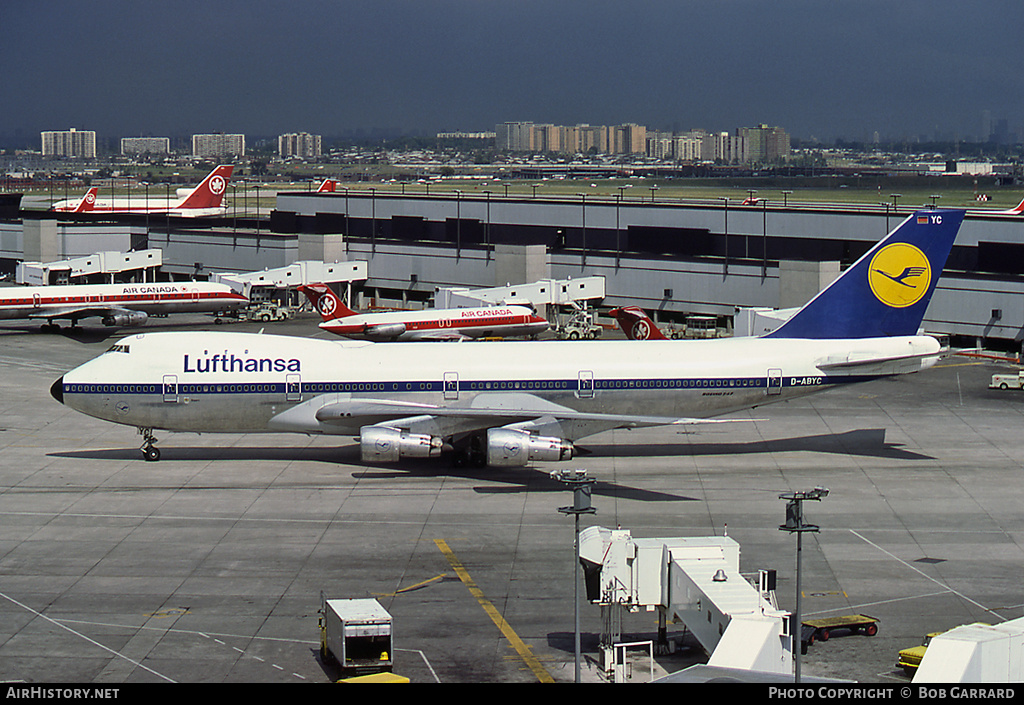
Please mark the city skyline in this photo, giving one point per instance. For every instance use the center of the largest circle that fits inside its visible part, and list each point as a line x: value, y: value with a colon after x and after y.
x: 905, y: 70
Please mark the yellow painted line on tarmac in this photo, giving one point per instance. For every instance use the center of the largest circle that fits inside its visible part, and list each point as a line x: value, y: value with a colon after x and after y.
x: 521, y: 648
x: 407, y: 589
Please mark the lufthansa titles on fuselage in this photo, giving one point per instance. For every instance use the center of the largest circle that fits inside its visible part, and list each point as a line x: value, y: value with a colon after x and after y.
x: 230, y: 363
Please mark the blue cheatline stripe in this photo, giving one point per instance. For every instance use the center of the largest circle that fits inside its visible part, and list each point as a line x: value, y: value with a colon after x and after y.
x: 656, y: 384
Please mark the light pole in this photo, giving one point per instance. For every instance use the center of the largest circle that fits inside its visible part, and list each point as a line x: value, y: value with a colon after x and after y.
x: 764, y: 238
x: 458, y: 224
x: 581, y: 486
x: 487, y: 227
x: 795, y: 525
x: 583, y: 259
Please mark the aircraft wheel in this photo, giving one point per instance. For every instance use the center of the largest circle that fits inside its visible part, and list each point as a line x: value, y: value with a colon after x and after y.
x: 151, y: 453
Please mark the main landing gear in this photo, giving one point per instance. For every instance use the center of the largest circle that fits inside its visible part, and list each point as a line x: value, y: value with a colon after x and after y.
x: 149, y: 450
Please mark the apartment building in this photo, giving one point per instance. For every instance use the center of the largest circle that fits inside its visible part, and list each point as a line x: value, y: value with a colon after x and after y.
x: 299, y: 144
x: 218, y: 145
x: 69, y: 143
x: 145, y: 145
x: 629, y: 138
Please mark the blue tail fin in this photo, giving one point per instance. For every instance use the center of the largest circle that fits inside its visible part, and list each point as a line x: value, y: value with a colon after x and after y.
x: 885, y: 292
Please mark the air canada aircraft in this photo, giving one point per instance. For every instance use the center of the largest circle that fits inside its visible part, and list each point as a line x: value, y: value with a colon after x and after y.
x: 1016, y: 210
x: 115, y: 304
x: 513, y: 403
x: 203, y: 200
x: 426, y: 325
x: 636, y: 324
x: 84, y: 205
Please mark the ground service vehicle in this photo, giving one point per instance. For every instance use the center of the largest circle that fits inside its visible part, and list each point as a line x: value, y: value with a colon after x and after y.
x: 910, y: 659
x: 1007, y: 381
x: 356, y: 633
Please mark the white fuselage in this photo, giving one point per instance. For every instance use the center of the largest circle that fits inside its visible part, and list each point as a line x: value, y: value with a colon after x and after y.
x: 74, y: 300
x: 154, y: 205
x: 492, y: 321
x: 245, y: 383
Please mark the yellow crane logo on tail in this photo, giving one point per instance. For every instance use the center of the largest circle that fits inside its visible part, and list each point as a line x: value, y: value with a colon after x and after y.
x: 899, y: 275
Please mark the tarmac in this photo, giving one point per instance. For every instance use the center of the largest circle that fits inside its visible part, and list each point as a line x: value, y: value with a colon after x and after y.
x: 209, y: 565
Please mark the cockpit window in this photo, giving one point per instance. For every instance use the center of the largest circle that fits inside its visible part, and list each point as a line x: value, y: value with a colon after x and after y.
x: 118, y: 347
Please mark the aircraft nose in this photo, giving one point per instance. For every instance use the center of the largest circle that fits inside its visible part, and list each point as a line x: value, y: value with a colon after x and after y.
x: 57, y: 390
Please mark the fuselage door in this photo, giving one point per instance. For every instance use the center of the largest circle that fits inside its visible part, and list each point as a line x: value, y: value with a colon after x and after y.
x: 451, y: 385
x: 774, y: 382
x: 171, y: 388
x: 585, y: 385
x: 293, y: 387
x: 36, y: 301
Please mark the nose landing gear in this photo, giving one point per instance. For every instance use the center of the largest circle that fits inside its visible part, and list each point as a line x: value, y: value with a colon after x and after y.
x: 149, y: 450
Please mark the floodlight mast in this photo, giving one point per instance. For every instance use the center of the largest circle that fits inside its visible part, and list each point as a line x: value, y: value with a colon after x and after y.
x: 581, y: 485
x: 795, y: 524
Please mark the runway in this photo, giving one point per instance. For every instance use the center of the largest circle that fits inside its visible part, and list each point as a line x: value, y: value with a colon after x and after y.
x: 208, y: 565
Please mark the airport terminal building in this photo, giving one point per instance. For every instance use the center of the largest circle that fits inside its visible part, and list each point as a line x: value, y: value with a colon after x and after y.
x: 670, y: 258
x: 674, y: 259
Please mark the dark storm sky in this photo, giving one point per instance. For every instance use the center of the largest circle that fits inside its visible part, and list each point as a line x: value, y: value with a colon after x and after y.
x: 823, y: 68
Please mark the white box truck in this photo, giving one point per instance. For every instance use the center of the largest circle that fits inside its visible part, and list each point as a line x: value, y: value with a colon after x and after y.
x: 356, y: 633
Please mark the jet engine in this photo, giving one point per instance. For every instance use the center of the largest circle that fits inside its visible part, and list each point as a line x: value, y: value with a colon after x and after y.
x: 125, y: 318
x: 388, y: 445
x: 385, y: 331
x: 513, y: 448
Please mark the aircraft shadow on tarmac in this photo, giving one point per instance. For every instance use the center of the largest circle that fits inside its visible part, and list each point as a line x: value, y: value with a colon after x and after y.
x: 863, y: 442
x: 79, y: 334
x: 512, y: 480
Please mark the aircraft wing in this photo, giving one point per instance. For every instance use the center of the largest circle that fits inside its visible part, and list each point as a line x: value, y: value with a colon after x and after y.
x: 74, y: 313
x: 442, y: 335
x: 485, y: 411
x: 117, y: 316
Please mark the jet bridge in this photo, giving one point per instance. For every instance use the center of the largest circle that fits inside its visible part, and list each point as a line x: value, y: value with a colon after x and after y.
x: 697, y: 580
x: 105, y: 265
x: 551, y: 292
x: 295, y: 274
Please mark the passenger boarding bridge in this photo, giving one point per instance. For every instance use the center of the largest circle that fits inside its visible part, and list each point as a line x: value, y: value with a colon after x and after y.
x: 697, y: 581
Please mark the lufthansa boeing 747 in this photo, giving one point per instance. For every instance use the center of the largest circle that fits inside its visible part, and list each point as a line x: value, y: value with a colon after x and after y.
x: 510, y: 404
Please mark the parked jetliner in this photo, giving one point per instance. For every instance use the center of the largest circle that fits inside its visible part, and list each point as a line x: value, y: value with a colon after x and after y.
x: 428, y: 324
x: 1017, y: 210
x: 636, y: 324
x: 327, y: 186
x: 115, y: 304
x: 84, y: 205
x: 509, y: 404
x: 204, y: 200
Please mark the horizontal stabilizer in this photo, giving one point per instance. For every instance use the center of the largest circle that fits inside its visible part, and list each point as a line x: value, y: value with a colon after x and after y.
x: 854, y: 364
